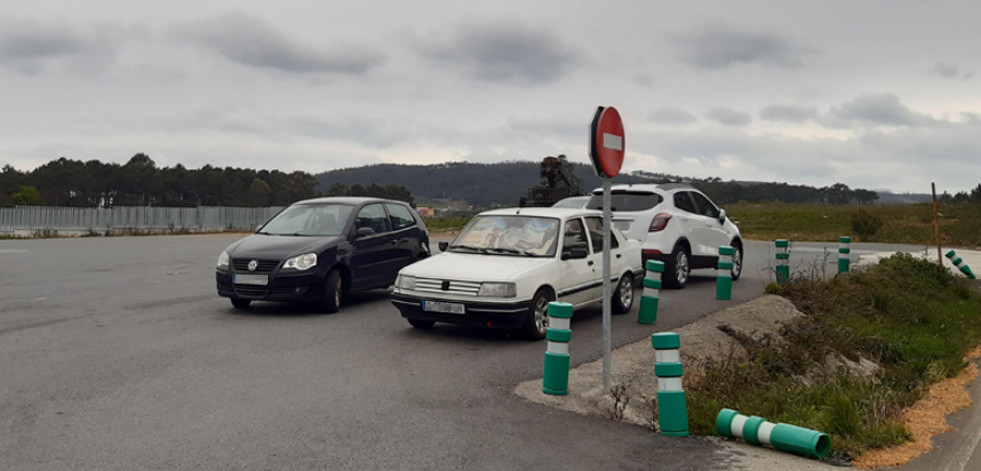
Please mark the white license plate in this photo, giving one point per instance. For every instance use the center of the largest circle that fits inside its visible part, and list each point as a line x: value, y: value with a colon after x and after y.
x: 261, y: 280
x: 447, y: 308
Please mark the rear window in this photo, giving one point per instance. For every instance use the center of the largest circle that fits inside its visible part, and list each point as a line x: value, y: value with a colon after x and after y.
x: 626, y: 201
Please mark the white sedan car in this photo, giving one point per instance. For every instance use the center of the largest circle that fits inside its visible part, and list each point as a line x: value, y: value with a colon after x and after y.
x: 506, y: 265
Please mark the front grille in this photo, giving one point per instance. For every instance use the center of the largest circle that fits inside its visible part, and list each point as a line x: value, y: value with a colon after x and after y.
x: 250, y: 291
x: 433, y: 285
x: 265, y: 266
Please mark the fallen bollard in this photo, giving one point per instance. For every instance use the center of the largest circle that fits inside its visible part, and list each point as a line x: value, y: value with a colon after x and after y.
x: 783, y: 437
x: 959, y: 263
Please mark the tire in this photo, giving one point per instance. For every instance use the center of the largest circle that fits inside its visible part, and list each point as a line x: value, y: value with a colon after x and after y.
x: 678, y: 268
x: 421, y: 324
x: 538, y: 319
x: 240, y: 303
x: 737, y: 261
x: 333, y: 291
x: 623, y: 297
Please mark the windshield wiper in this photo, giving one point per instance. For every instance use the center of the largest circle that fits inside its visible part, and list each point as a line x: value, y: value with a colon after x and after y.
x: 511, y: 251
x: 469, y: 247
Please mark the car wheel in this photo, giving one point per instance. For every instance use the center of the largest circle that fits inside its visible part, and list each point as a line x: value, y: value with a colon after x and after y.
x: 537, y: 322
x: 333, y: 289
x: 623, y: 297
x: 240, y: 303
x: 678, y: 268
x: 737, y: 261
x: 421, y: 324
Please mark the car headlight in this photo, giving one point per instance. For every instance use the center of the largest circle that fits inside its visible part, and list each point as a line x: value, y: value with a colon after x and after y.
x: 405, y: 282
x: 223, y: 260
x: 302, y: 262
x: 498, y: 290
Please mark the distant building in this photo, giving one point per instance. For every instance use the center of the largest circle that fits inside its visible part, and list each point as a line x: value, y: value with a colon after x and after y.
x: 426, y: 212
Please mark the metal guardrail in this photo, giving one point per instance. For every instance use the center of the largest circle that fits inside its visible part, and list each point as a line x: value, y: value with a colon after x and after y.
x: 132, y: 218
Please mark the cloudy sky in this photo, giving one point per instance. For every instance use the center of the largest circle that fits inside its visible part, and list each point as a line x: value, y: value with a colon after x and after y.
x: 876, y: 95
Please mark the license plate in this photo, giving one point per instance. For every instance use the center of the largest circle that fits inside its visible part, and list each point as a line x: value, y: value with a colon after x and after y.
x: 261, y: 280
x: 446, y: 308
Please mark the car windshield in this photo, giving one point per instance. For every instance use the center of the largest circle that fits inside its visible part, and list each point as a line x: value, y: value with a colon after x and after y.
x: 322, y: 220
x: 626, y: 201
x: 508, y: 235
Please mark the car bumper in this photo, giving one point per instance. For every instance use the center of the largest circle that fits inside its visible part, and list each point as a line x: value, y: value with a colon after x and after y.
x: 297, y: 288
x: 492, y: 315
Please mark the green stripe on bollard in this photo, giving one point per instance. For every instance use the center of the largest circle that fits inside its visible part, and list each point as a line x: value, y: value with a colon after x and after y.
x: 723, y: 287
x: 723, y: 423
x: 783, y: 256
x: 727, y: 250
x: 655, y: 266
x: 558, y: 335
x: 665, y: 341
x: 950, y: 254
x: 724, y: 265
x: 802, y: 441
x: 652, y: 283
x: 558, y: 309
x: 668, y: 370
x: 672, y: 413
x: 956, y: 261
x: 845, y: 240
x: 648, y: 309
x: 844, y: 250
x: 555, y: 380
x: 781, y: 243
x: 751, y: 429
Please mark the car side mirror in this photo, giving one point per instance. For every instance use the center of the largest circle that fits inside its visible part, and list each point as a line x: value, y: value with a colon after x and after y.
x: 722, y: 216
x: 575, y: 253
x: 443, y: 246
x: 364, y: 232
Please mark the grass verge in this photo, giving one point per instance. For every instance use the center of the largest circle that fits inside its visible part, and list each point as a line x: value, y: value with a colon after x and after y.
x: 915, y: 320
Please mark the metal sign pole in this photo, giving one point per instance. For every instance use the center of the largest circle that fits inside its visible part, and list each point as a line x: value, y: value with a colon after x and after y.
x: 606, y: 284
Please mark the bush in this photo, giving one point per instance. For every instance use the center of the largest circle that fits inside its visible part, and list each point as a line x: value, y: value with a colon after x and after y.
x: 865, y: 225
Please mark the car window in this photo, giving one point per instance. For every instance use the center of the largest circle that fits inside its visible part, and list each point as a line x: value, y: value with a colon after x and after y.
x: 622, y: 200
x: 516, y: 235
x: 595, y: 227
x: 683, y: 201
x: 309, y: 220
x: 373, y: 217
x: 705, y: 207
x: 575, y: 236
x: 400, y: 215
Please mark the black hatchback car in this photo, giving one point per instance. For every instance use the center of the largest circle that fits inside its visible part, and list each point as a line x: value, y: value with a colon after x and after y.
x: 320, y: 250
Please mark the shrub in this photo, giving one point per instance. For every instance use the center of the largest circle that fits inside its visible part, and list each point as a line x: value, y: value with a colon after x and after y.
x: 865, y: 225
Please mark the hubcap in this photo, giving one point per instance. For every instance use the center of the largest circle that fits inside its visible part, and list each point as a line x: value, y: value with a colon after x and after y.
x: 541, y: 317
x: 626, y: 293
x: 737, y: 263
x: 682, y: 267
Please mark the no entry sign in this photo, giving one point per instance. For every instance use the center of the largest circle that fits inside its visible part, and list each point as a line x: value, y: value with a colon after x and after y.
x: 607, y: 142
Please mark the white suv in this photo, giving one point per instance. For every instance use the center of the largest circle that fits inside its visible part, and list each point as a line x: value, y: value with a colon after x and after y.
x: 676, y: 224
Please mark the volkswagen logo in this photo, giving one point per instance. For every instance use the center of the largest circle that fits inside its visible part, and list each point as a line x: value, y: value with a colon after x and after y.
x: 253, y: 264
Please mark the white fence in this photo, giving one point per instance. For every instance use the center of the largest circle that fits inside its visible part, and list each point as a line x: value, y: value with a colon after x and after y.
x: 56, y: 219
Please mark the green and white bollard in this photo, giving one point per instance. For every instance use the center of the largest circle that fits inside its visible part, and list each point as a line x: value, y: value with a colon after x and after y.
x: 783, y: 437
x: 555, y: 379
x: 723, y: 284
x: 652, y: 286
x: 783, y: 260
x: 959, y: 263
x: 672, y: 407
x: 843, y: 252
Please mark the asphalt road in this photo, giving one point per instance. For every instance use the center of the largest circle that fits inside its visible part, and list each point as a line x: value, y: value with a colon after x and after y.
x: 116, y: 353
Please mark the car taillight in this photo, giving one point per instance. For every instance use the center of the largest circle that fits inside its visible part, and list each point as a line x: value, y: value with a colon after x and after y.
x: 660, y: 222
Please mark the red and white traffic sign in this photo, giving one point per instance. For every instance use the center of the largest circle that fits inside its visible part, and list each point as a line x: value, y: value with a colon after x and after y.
x: 607, y: 142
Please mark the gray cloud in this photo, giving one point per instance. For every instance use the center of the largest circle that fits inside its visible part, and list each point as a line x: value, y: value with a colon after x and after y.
x: 254, y: 42
x: 950, y: 71
x: 506, y: 53
x: 672, y: 116
x: 720, y: 46
x: 876, y: 108
x: 789, y: 113
x: 29, y: 46
x: 728, y: 116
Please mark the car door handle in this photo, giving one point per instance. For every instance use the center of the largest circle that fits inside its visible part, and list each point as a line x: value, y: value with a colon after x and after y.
x: 590, y: 263
x: 618, y: 255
